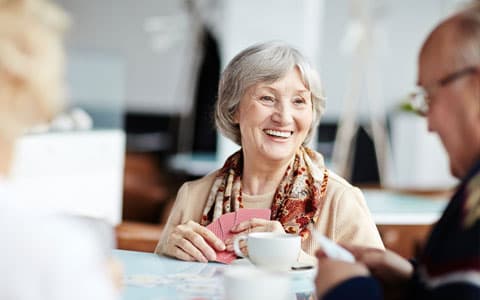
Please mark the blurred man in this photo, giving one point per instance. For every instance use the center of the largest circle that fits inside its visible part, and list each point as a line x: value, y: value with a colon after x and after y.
x: 449, y: 267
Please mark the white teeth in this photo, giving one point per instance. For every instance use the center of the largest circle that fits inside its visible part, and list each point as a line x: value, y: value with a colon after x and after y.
x: 284, y: 134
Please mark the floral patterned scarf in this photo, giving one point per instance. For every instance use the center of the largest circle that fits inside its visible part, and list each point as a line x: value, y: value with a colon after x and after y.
x: 297, y: 200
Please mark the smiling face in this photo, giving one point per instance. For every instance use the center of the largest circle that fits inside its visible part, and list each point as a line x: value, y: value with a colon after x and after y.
x: 274, y: 118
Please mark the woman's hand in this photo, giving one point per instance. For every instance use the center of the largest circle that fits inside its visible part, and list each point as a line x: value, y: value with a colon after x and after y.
x: 193, y: 242
x: 332, y: 272
x: 385, y: 265
x: 253, y: 225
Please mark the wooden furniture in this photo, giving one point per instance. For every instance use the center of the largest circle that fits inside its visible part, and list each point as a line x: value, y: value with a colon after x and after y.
x: 145, y: 190
x: 406, y: 240
x: 137, y: 236
x: 404, y: 220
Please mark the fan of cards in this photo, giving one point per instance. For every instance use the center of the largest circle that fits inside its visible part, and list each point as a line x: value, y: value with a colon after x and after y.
x: 222, y: 225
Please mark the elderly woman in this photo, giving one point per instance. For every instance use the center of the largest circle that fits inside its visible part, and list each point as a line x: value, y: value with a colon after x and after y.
x: 269, y: 102
x: 43, y: 256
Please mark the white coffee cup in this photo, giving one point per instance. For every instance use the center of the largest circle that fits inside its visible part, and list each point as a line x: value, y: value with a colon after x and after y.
x: 270, y: 250
x: 249, y: 283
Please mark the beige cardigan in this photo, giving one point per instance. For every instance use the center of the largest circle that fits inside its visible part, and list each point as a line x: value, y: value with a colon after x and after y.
x: 344, y: 216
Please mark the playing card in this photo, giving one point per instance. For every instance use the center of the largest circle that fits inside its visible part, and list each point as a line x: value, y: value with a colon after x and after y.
x: 226, y: 257
x: 216, y: 228
x: 227, y: 221
x: 222, y: 225
x: 245, y: 214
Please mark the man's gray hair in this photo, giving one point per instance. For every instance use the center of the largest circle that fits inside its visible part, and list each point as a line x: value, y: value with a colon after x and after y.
x: 264, y: 62
x: 468, y: 34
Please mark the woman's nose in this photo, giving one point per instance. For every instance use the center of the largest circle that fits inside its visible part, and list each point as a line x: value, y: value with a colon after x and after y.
x: 282, y: 114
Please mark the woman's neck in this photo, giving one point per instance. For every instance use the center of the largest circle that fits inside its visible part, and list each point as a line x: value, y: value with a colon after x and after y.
x: 261, y: 178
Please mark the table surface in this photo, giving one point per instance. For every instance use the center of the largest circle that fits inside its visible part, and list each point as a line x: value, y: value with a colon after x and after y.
x: 152, y: 277
x: 389, y: 207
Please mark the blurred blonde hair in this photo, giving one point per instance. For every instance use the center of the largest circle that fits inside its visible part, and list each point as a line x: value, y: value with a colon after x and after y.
x: 31, y: 63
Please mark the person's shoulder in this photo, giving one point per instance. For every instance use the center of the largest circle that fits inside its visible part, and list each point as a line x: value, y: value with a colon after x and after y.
x: 199, y: 185
x: 339, y: 188
x: 335, y: 181
x: 338, y: 182
x: 200, y: 182
x: 193, y: 194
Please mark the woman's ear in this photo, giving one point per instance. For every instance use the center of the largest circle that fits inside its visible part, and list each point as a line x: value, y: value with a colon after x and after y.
x: 236, y: 117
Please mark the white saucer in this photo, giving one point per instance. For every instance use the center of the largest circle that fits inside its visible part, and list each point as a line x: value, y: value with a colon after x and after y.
x: 295, y: 274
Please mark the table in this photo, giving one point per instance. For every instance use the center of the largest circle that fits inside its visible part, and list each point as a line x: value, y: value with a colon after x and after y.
x: 389, y: 207
x: 404, y: 220
x: 148, y: 276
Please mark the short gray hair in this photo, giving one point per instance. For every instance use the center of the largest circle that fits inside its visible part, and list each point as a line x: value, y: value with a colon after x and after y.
x: 459, y: 37
x: 468, y: 34
x: 264, y: 62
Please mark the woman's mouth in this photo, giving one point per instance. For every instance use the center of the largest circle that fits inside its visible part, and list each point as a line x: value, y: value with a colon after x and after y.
x: 278, y: 133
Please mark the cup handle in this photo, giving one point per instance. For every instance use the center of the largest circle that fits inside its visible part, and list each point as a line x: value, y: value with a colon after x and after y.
x: 236, y: 245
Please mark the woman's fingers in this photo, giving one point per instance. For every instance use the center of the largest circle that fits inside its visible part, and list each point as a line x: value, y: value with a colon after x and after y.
x: 257, y: 225
x: 241, y: 227
x: 253, y: 225
x: 229, y: 244
x: 181, y: 254
x: 191, y: 241
x: 208, y: 236
x: 244, y: 250
x: 181, y: 248
x: 275, y: 226
x: 194, y: 244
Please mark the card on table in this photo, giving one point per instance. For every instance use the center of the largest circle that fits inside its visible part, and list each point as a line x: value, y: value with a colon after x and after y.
x: 222, y: 225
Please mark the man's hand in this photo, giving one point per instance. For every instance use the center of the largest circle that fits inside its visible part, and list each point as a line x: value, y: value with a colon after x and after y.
x: 385, y: 265
x: 332, y: 272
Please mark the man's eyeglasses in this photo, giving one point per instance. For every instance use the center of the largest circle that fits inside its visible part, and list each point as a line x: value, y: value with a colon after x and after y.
x: 420, y: 99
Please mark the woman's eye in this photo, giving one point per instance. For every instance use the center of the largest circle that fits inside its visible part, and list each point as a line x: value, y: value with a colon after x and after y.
x: 267, y: 98
x: 299, y: 101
